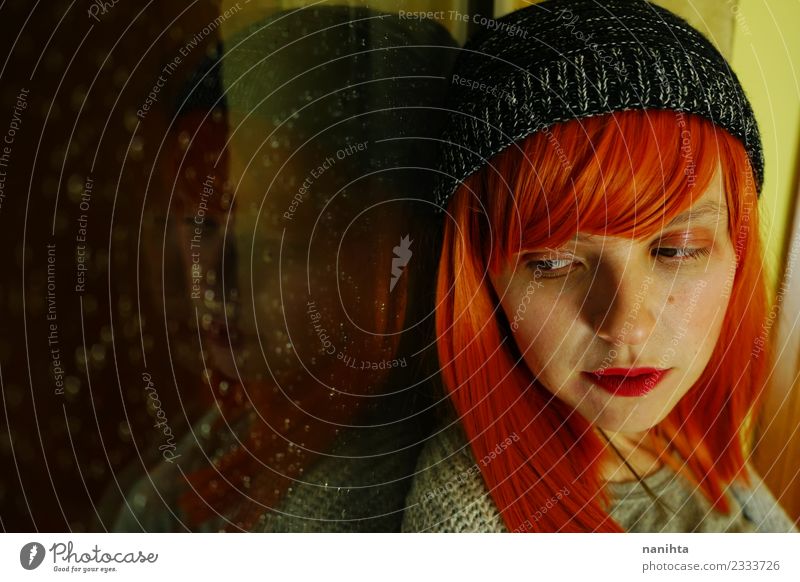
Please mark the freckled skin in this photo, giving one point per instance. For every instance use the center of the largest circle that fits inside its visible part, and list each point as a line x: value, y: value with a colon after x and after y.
x: 621, y: 306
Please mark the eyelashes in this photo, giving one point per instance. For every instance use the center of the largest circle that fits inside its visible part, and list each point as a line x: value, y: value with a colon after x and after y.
x: 541, y: 269
x: 548, y: 266
x: 689, y: 252
x: 675, y: 256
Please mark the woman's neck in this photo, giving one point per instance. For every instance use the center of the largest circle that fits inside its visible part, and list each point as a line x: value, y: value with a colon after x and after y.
x: 637, y: 453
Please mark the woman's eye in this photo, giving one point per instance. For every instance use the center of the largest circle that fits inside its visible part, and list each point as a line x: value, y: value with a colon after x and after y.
x: 549, y: 267
x: 681, y: 254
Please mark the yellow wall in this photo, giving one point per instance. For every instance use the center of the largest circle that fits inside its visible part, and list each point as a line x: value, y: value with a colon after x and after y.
x: 766, y: 57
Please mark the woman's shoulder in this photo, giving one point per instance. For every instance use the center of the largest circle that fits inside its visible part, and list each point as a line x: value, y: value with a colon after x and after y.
x: 760, y: 506
x: 447, y: 492
x: 681, y: 507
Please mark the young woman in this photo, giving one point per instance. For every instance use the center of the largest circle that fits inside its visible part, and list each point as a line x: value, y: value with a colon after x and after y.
x: 600, y: 294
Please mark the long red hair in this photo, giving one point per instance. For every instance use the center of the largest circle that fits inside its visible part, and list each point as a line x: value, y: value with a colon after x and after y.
x: 618, y: 173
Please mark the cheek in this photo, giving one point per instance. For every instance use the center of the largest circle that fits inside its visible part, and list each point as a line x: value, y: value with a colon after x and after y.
x: 537, y: 322
x: 697, y: 310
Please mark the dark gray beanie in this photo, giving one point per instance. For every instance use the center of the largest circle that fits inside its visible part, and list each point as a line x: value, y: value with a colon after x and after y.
x: 570, y: 59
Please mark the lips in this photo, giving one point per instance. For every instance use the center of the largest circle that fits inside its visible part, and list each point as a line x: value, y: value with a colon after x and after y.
x: 629, y: 382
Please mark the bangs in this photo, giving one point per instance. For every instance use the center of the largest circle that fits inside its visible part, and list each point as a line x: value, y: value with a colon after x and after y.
x: 621, y: 174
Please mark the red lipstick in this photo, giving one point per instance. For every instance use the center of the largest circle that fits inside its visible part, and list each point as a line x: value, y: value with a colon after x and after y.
x: 626, y: 381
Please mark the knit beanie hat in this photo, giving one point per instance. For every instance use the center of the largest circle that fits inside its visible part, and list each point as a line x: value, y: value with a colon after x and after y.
x: 569, y: 59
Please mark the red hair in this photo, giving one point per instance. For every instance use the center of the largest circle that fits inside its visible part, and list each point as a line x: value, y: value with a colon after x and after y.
x: 582, y: 175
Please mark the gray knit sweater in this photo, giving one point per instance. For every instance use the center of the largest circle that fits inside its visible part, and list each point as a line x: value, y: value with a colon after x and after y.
x: 354, y: 490
x: 350, y: 494
x: 468, y: 507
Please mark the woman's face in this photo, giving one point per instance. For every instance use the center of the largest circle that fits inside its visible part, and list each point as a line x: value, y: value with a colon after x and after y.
x: 600, y: 304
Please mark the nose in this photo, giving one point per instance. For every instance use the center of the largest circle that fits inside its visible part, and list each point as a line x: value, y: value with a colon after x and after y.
x: 619, y: 305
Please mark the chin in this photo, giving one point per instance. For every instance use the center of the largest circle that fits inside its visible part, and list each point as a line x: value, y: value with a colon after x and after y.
x: 622, y: 421
x: 627, y: 427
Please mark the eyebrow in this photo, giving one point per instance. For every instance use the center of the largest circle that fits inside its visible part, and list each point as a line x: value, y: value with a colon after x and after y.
x: 696, y: 212
x: 709, y: 207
